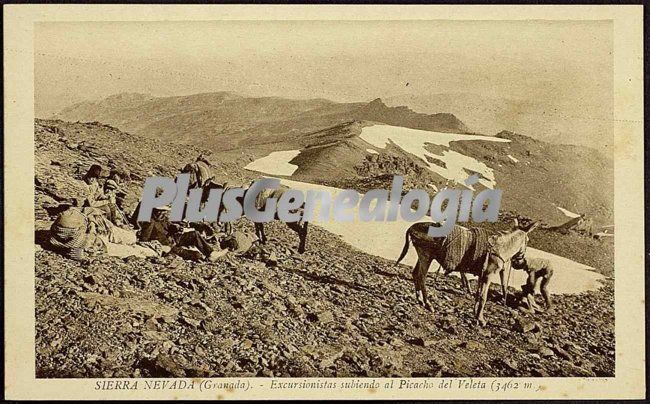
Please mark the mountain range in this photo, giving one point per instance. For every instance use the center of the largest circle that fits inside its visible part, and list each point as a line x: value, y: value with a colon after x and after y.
x: 226, y: 121
x: 537, y: 176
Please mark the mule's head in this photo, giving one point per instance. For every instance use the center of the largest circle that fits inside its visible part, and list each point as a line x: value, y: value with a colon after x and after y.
x: 507, y: 245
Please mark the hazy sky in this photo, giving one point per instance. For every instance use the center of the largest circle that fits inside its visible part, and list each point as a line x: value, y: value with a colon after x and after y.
x: 570, y: 62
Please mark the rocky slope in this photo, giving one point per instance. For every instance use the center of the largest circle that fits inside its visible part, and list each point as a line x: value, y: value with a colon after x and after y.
x: 546, y: 175
x: 332, y: 311
x: 536, y: 177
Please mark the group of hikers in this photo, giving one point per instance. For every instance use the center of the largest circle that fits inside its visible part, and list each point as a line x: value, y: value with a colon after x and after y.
x: 97, y: 224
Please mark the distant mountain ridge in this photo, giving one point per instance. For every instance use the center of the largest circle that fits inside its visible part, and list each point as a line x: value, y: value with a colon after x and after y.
x: 226, y: 121
x: 562, y: 122
x: 536, y: 177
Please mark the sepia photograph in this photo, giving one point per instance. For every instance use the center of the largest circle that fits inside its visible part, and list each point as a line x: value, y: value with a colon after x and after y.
x: 328, y: 204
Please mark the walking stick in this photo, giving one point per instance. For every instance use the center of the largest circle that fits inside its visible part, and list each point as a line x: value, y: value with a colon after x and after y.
x: 505, y: 295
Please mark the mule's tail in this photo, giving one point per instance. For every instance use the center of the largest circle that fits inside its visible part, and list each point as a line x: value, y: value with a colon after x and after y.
x: 405, y: 249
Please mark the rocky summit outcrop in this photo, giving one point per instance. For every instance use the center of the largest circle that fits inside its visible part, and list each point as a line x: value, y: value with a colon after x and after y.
x: 332, y: 311
x: 378, y: 111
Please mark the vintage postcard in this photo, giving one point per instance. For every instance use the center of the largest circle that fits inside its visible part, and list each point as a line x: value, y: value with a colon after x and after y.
x: 389, y: 202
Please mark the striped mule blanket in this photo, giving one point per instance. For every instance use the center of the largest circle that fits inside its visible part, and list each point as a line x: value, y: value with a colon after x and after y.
x: 266, y: 194
x: 465, y: 250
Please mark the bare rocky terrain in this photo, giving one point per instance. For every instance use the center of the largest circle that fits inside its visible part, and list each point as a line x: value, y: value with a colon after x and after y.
x: 331, y: 311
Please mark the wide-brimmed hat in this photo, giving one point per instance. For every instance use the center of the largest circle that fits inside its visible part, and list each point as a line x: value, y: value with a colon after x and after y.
x: 69, y: 231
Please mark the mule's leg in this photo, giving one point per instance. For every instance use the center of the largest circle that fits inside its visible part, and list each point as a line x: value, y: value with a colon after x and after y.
x: 303, y: 238
x: 259, y: 229
x: 505, y: 278
x: 465, y: 281
x: 416, y: 281
x: 502, y: 275
x: 487, y: 264
x: 425, y: 263
x: 477, y: 294
x: 543, y: 288
x: 482, y: 294
x: 481, y: 298
x: 300, y: 230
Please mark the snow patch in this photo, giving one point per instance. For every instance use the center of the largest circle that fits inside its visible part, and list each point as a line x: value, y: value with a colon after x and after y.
x: 276, y: 163
x: 514, y: 160
x: 567, y: 213
x: 383, y: 239
x: 371, y: 151
x: 458, y: 166
x: 569, y: 277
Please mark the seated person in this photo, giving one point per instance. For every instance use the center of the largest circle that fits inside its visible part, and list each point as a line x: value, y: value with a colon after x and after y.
x: 159, y: 228
x: 115, y: 195
x: 186, y: 242
x: 73, y: 236
x: 81, y: 234
x: 95, y: 197
x: 540, y: 271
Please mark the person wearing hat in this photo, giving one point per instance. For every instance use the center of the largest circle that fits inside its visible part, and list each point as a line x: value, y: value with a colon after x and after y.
x: 82, y: 234
x: 159, y: 228
x: 95, y: 197
x: 188, y: 242
x: 112, y: 190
